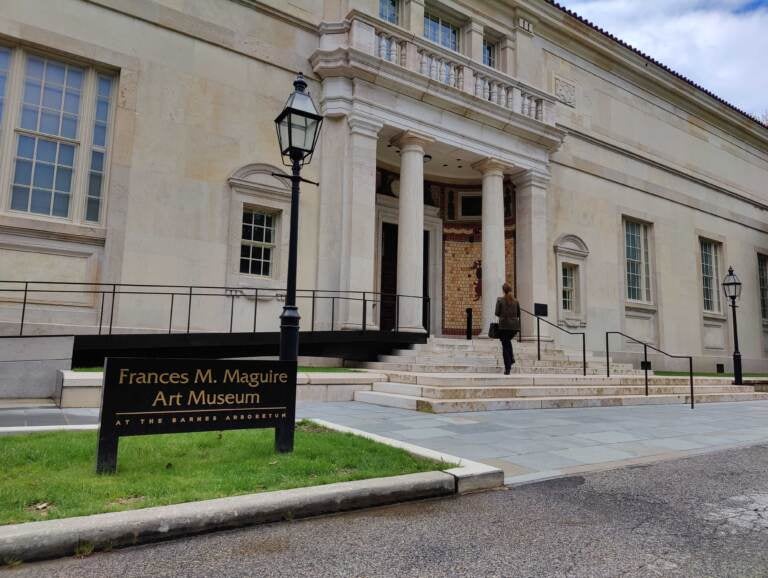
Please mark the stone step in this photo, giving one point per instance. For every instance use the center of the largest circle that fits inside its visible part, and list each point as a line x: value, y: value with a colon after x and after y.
x: 498, y: 404
x: 495, y: 392
x: 520, y: 361
x: 486, y: 368
x: 522, y: 380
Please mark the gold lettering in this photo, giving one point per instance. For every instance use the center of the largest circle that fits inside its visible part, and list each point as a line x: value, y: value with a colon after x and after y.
x: 123, y: 373
x: 204, y: 376
x: 160, y: 398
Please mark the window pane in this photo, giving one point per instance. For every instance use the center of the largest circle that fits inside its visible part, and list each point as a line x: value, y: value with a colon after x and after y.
x: 43, y: 176
x: 26, y: 148
x: 72, y: 102
x: 94, y: 185
x: 66, y: 155
x: 92, y: 209
x: 49, y: 123
x: 23, y: 173
x: 60, y: 205
x: 762, y: 267
x: 29, y: 118
x: 54, y: 73
x: 69, y: 126
x: 35, y: 68
x: 20, y: 199
x: 63, y: 179
x: 247, y: 233
x: 244, y: 265
x: 41, y: 202
x: 105, y: 86
x: 46, y: 151
x: 52, y: 97
x: 97, y: 161
x: 32, y: 92
x: 75, y: 78
x: 100, y: 135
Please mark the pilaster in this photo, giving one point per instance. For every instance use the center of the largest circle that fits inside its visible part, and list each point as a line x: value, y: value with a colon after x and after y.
x: 413, y: 16
x: 532, y: 254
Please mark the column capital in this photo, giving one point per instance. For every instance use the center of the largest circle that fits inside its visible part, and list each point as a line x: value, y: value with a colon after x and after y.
x: 532, y: 178
x: 491, y: 166
x: 411, y: 138
x: 364, y: 125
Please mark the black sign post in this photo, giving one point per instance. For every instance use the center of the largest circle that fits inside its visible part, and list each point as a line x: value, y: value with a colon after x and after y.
x: 160, y: 396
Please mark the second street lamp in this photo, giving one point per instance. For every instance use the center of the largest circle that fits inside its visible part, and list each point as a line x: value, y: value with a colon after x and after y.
x: 732, y: 289
x: 298, y: 127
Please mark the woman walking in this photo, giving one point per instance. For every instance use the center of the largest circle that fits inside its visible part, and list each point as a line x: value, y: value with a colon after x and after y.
x: 508, y: 312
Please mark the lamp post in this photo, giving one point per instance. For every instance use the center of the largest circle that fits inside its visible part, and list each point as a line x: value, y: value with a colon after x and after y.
x: 298, y: 127
x: 732, y: 289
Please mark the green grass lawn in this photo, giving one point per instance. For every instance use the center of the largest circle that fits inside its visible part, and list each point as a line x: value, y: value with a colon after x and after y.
x: 301, y: 368
x: 51, y: 475
x: 706, y: 374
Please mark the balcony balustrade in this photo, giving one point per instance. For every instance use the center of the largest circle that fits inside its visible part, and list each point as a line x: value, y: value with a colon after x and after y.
x: 396, y: 46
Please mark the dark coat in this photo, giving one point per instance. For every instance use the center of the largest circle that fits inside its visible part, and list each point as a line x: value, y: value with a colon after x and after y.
x: 508, y: 314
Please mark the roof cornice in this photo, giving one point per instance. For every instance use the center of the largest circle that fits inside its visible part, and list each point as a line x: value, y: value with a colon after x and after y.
x: 555, y: 16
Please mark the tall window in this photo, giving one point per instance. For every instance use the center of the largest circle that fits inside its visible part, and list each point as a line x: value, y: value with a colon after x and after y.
x: 388, y: 10
x: 637, y: 261
x: 569, y: 287
x: 762, y: 269
x: 258, y: 242
x: 52, y: 144
x: 710, y: 274
x: 5, y: 64
x: 489, y: 53
x: 441, y: 32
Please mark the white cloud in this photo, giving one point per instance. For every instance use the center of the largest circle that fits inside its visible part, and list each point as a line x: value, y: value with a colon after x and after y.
x: 721, y: 45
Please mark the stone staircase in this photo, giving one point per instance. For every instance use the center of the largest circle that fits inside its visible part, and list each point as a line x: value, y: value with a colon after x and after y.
x: 445, y: 355
x: 451, y: 375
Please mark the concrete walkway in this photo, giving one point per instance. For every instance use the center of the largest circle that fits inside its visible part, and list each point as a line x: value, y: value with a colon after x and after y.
x: 537, y: 444
x: 526, y: 444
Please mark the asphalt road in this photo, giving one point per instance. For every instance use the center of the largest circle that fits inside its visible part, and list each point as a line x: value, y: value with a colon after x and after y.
x: 701, y: 516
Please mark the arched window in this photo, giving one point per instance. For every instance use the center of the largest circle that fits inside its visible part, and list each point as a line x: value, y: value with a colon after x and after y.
x: 571, y: 258
x: 259, y: 207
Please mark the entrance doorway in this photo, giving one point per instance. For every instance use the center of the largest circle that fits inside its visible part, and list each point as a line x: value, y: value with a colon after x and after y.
x: 388, y: 278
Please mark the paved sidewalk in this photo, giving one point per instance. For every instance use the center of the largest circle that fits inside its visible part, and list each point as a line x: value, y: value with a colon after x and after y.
x: 526, y: 444
x: 536, y: 444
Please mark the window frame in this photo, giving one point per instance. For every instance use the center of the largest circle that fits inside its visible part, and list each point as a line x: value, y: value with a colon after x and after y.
x: 460, y: 216
x: 10, y: 129
x: 442, y: 22
x: 571, y: 289
x: 646, y: 267
x: 272, y: 246
x: 493, y: 58
x: 762, y: 284
x: 386, y: 11
x: 572, y: 252
x: 717, y: 254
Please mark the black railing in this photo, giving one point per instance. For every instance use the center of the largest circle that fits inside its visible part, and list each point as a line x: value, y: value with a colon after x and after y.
x: 539, y: 319
x: 645, y: 358
x: 105, y: 296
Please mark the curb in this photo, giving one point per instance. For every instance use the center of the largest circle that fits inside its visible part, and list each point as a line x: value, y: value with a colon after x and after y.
x: 68, y: 536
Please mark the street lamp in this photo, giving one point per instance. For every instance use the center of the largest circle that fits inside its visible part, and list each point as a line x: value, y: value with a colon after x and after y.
x: 298, y: 127
x: 732, y: 289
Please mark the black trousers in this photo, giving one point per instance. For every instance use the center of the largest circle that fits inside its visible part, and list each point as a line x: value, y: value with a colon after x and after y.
x: 505, y: 336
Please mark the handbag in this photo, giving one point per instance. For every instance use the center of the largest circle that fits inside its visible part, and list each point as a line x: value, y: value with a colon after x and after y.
x: 493, y: 331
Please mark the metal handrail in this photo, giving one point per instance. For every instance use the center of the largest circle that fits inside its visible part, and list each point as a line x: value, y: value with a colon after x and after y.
x: 113, y: 290
x: 645, y: 358
x: 538, y: 338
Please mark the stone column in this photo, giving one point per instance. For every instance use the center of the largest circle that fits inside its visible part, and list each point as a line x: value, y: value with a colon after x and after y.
x: 494, y: 261
x: 410, y: 231
x: 531, y: 253
x: 358, y: 218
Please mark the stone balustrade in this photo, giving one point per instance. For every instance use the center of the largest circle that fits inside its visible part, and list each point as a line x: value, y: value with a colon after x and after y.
x: 392, y: 44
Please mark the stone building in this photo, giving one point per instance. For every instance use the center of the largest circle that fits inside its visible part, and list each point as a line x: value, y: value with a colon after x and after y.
x: 465, y: 143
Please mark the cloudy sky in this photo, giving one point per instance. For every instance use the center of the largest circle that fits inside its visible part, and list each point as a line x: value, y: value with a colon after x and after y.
x: 720, y: 44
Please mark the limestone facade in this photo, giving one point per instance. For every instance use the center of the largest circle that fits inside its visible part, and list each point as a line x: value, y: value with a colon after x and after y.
x: 529, y: 146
